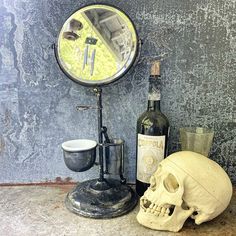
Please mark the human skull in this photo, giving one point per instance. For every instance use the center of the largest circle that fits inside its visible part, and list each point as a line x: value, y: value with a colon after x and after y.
x: 186, y: 184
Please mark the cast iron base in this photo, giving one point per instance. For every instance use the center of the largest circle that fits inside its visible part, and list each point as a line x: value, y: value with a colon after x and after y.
x: 96, y: 199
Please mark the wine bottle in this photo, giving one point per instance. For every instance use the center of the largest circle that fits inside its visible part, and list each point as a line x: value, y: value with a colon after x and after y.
x: 152, y: 134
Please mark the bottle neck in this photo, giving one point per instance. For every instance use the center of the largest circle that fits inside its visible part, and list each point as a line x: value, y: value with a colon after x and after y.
x: 153, y: 105
x: 154, y: 94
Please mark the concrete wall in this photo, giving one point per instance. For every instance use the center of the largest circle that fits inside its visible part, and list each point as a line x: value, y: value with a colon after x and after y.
x: 196, y: 41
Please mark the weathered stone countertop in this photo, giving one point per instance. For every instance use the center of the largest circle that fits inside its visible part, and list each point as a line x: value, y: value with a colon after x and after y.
x: 40, y: 210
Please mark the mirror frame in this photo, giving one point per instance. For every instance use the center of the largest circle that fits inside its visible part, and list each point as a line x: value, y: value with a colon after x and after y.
x: 137, y: 45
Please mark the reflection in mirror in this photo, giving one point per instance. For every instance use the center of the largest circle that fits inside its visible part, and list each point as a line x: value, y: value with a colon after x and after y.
x: 96, y: 45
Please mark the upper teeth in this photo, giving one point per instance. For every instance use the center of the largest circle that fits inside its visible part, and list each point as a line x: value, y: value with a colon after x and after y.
x: 154, y: 208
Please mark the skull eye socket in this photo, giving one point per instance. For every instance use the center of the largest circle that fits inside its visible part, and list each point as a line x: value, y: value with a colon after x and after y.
x: 171, y: 184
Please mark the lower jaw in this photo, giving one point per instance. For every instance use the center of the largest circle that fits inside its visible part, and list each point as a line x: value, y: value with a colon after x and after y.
x: 149, y: 215
x: 150, y: 221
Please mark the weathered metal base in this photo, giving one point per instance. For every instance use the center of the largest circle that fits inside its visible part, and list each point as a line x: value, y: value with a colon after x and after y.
x: 96, y: 199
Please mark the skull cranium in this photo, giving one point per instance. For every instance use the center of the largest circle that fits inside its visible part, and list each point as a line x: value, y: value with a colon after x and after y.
x: 186, y: 184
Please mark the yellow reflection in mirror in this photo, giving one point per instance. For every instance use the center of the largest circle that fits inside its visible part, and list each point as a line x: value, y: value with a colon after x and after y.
x: 96, y: 44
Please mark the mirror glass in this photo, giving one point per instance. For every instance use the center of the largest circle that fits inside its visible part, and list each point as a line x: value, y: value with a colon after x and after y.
x: 96, y: 45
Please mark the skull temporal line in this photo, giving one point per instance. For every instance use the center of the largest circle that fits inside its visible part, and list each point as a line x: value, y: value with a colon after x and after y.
x: 186, y: 184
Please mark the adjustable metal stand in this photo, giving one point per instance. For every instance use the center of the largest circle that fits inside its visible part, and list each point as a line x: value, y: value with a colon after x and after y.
x: 101, y: 198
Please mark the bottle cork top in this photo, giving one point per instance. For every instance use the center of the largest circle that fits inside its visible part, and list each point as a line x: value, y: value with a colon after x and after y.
x: 155, y: 69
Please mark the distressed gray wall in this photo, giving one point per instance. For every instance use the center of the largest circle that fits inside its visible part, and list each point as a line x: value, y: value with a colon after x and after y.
x: 196, y: 41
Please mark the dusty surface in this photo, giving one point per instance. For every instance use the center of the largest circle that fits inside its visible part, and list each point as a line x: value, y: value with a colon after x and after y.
x: 40, y: 210
x: 196, y: 43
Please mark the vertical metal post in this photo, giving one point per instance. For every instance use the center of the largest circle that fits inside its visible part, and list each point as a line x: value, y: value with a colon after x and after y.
x: 98, y: 92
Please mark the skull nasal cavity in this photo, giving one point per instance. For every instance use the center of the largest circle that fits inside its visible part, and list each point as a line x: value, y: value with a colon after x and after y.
x: 171, y: 183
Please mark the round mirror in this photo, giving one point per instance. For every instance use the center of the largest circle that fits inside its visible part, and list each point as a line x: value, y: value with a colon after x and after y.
x: 96, y: 45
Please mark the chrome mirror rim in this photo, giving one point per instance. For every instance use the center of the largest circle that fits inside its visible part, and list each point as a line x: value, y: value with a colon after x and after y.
x: 118, y: 74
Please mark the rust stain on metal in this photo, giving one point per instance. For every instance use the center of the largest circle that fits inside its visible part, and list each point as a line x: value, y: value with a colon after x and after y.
x: 60, y: 180
x: 66, y: 183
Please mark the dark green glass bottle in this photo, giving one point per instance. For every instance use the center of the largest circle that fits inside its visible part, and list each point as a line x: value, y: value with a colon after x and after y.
x: 152, y: 134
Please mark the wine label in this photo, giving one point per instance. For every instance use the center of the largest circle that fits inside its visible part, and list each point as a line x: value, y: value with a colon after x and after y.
x: 150, y: 152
